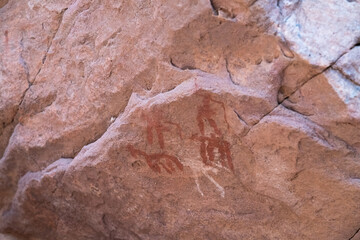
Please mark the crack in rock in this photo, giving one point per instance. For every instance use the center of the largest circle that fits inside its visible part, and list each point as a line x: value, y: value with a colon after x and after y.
x: 346, y: 76
x: 354, y: 235
x: 26, y: 69
x: 213, y: 8
x: 229, y: 73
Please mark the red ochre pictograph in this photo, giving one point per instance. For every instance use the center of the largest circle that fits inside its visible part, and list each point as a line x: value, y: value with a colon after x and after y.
x: 154, y: 124
x: 156, y: 160
x: 213, y: 148
x: 209, y: 145
x: 205, y: 113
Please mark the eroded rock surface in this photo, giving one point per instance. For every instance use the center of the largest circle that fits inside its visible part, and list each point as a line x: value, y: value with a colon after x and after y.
x: 221, y: 119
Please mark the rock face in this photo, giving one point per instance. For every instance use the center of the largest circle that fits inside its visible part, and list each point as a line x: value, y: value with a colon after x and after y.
x: 182, y: 119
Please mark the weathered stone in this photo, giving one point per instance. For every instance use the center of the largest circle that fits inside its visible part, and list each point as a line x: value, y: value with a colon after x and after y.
x: 321, y: 31
x: 335, y: 106
x: 349, y: 65
x: 179, y: 119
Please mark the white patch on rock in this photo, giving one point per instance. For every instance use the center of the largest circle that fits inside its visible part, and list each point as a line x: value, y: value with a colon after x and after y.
x: 321, y: 31
x: 349, y: 65
x: 348, y: 92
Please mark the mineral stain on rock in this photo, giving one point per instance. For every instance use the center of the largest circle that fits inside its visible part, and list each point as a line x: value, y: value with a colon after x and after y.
x: 179, y: 119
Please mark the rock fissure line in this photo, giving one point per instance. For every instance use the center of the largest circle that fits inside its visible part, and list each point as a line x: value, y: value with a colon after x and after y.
x: 293, y: 110
x: 251, y: 127
x: 280, y: 103
x: 228, y: 71
x: 26, y: 68
x: 213, y: 8
x: 51, y: 42
x: 352, y: 237
x: 346, y: 76
x: 356, y: 45
x: 252, y: 3
x: 314, y: 76
x: 341, y: 71
x: 240, y: 118
x: 183, y: 68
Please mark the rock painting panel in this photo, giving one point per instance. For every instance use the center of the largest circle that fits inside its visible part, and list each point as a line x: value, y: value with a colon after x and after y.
x: 214, y: 151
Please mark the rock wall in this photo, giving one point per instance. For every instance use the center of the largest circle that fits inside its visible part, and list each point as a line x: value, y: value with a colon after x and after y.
x: 181, y: 119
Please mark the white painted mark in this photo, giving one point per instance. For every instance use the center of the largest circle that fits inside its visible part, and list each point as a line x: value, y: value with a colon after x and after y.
x: 199, y: 168
x: 198, y: 186
x: 218, y: 186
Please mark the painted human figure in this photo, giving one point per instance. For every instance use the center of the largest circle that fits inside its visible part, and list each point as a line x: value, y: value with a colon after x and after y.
x: 206, y: 113
x: 155, y: 124
x: 213, y: 142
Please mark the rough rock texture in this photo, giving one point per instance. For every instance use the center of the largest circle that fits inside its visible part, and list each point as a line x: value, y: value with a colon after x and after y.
x: 181, y: 119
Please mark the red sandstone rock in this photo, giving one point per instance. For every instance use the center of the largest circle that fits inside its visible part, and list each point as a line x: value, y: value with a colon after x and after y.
x: 179, y: 119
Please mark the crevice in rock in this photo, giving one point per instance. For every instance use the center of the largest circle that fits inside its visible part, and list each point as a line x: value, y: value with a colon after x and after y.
x: 240, y: 118
x: 296, y: 175
x: 52, y: 39
x: 252, y: 3
x: 285, y: 50
x: 331, y: 66
x: 213, y: 8
x: 26, y: 68
x: 305, y: 115
x: 27, y: 72
x: 181, y: 68
x: 293, y: 110
x: 348, y: 146
x: 357, y: 231
x: 45, y: 55
x: 346, y: 76
x: 356, y: 45
x: 15, y: 116
x: 314, y: 76
x: 229, y: 73
x: 266, y: 114
x: 341, y: 71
